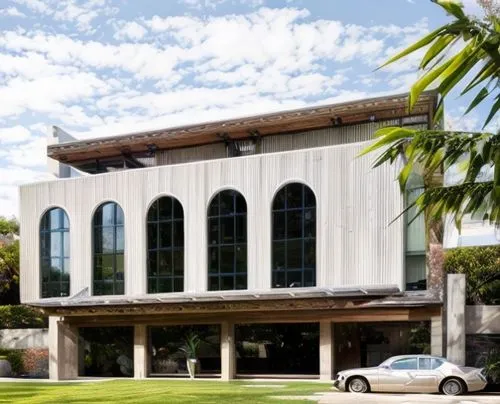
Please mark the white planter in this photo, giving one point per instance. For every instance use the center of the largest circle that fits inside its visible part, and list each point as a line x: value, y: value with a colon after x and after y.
x: 5, y: 368
x: 191, y: 367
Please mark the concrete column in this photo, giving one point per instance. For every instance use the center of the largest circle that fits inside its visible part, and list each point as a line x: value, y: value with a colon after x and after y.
x: 437, y: 336
x: 455, y: 319
x: 140, y: 352
x: 63, y: 350
x: 326, y: 350
x: 227, y: 351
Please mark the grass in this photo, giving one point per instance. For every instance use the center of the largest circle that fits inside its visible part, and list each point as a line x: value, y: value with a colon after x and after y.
x: 157, y: 391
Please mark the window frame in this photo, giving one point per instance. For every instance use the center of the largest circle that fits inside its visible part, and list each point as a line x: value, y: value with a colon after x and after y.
x: 310, y: 269
x: 168, y: 223
x: 221, y: 275
x: 61, y: 230
x: 117, y: 289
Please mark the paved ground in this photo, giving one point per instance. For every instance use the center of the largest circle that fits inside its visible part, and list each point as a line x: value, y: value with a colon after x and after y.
x: 348, y: 398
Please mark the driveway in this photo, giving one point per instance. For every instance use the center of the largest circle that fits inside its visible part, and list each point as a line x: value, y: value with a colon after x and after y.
x: 353, y: 398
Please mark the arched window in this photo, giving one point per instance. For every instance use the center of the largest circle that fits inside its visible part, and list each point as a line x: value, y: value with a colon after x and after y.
x: 109, y: 249
x: 227, y: 241
x: 294, y: 237
x: 165, y: 246
x: 54, y: 253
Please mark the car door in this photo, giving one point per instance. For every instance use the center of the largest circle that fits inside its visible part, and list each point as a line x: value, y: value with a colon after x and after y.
x: 425, y: 379
x: 397, y: 376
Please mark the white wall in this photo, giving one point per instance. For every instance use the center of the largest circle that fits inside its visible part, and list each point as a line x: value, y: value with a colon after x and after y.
x: 24, y: 338
x: 355, y: 204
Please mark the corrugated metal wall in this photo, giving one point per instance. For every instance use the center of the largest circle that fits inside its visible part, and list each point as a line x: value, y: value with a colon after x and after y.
x: 355, y: 244
x: 190, y: 154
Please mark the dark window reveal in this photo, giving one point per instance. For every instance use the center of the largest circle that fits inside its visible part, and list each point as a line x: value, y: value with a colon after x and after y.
x: 294, y: 237
x: 165, y: 246
x: 54, y: 253
x: 227, y: 241
x: 109, y: 247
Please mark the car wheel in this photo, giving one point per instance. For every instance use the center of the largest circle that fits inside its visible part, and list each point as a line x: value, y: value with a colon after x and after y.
x: 452, y: 387
x: 358, y: 385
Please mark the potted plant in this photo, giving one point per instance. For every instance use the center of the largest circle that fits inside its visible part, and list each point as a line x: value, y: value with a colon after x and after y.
x: 190, y: 349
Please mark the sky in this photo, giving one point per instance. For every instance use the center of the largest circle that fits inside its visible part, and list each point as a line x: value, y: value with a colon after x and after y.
x: 106, y: 67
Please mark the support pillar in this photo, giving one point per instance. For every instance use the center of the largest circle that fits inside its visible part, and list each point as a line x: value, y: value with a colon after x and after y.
x: 455, y: 319
x: 63, y: 349
x: 140, y: 352
x: 437, y: 335
x: 326, y: 350
x: 227, y: 351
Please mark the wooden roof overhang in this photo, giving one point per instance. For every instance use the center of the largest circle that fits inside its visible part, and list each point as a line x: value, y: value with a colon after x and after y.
x: 348, y: 113
x: 300, y: 307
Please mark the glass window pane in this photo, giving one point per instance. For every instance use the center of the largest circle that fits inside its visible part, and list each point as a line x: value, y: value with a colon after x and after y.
x: 178, y: 239
x: 153, y: 212
x: 120, y: 239
x: 213, y: 210
x: 241, y: 282
x: 152, y: 236
x: 165, y: 235
x: 119, y: 288
x: 98, y: 268
x: 55, y: 244
x: 310, y: 254
x: 64, y: 289
x: 424, y: 364
x: 119, y: 272
x: 294, y: 195
x: 108, y: 235
x: 152, y: 263
x: 436, y: 363
x: 309, y: 198
x: 119, y: 215
x: 294, y: 224
x: 178, y: 211
x: 66, y: 243
x: 108, y: 214
x: 45, y: 268
x: 165, y: 208
x: 65, y: 220
x: 294, y: 279
x: 241, y: 258
x: 279, y: 261
x: 405, y: 364
x: 227, y: 283
x: 227, y: 230
x: 178, y: 262
x: 165, y: 262
x: 152, y: 285
x: 294, y: 254
x: 55, y: 219
x: 164, y: 285
x: 55, y: 269
x: 107, y: 267
x: 241, y: 229
x: 227, y: 203
x: 227, y: 259
x: 309, y: 278
x: 310, y: 223
x: 213, y: 231
x: 241, y: 205
x: 279, y: 222
x: 213, y: 283
x: 279, y: 200
x: 213, y: 260
x: 178, y: 284
x: 279, y: 279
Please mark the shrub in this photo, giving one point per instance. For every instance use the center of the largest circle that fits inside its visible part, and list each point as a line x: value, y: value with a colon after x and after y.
x: 481, y: 265
x: 19, y: 316
x: 36, y: 362
x: 15, y: 358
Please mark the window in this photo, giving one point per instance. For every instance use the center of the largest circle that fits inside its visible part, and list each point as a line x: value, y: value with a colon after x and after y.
x: 294, y: 237
x: 54, y: 253
x: 227, y: 241
x: 416, y: 278
x: 109, y: 247
x: 405, y: 364
x: 429, y: 363
x: 165, y: 229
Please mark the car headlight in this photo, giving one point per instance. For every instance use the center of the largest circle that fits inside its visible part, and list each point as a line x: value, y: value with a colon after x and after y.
x: 339, y: 377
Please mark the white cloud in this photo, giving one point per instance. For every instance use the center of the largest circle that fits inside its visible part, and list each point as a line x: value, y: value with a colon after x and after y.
x: 129, y: 30
x: 15, y: 134
x: 11, y: 12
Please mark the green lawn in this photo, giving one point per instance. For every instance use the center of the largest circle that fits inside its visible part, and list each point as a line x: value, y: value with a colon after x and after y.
x: 157, y: 391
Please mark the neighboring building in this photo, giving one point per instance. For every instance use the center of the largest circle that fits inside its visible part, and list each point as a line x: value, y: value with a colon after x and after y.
x: 254, y: 228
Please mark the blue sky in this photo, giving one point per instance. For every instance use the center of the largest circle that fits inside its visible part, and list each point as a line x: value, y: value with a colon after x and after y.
x: 104, y: 67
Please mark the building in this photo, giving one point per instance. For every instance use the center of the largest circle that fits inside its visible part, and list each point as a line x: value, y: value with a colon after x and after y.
x: 266, y: 235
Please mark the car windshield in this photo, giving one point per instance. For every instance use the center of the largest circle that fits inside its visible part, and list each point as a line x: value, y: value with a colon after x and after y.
x: 386, y: 362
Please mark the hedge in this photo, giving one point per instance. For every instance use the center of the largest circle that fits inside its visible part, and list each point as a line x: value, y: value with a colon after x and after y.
x: 32, y: 362
x: 481, y: 265
x: 19, y: 316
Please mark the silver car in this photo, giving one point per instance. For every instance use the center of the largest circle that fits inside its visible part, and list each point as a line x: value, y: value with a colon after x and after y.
x: 412, y: 374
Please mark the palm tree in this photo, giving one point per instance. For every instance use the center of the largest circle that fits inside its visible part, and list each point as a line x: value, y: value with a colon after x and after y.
x: 429, y: 152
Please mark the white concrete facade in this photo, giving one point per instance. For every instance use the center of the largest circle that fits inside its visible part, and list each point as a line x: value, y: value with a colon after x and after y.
x: 355, y: 244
